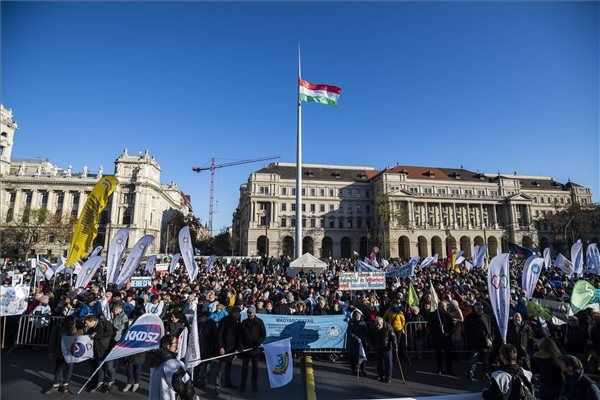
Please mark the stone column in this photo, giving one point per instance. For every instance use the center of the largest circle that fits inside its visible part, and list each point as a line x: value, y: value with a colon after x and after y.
x: 426, y: 215
x: 469, y: 225
x: 494, y: 221
x: 411, y: 214
x: 481, y: 215
x: 441, y: 214
x: 454, y: 220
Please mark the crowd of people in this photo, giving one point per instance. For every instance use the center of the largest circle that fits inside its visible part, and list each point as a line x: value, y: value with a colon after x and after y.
x: 541, y: 357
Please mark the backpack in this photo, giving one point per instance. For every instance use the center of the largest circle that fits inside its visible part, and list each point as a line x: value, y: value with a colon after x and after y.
x: 520, y: 388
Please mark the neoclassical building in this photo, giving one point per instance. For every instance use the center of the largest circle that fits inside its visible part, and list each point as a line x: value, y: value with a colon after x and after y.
x: 405, y: 210
x: 140, y: 202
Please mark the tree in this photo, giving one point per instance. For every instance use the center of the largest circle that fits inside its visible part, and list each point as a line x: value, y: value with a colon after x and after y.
x: 573, y: 223
x: 35, y: 228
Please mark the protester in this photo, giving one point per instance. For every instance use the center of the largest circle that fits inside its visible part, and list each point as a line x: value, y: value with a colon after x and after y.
x: 510, y: 380
x: 358, y: 335
x: 62, y: 370
x: 479, y: 338
x: 546, y: 365
x: 383, y: 342
x: 252, y: 335
x: 102, y: 333
x: 168, y: 378
x: 229, y: 342
x: 577, y: 385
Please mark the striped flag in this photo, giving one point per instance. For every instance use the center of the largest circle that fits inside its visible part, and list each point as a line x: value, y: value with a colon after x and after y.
x: 318, y: 92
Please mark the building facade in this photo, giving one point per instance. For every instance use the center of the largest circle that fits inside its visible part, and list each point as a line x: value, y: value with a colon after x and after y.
x: 405, y: 210
x: 140, y: 202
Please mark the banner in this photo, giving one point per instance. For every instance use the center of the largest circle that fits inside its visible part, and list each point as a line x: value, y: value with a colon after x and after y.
x: 307, y: 331
x: 143, y: 335
x: 531, y: 274
x: 558, y: 309
x: 13, y: 300
x: 403, y: 271
x: 115, y: 252
x: 174, y: 263
x: 96, y: 251
x: 44, y: 267
x: 499, y: 291
x: 479, y: 258
x: 593, y: 259
x: 141, y: 281
x: 187, y: 252
x: 564, y: 264
x: 86, y: 227
x: 362, y: 266
x: 161, y: 267
x: 362, y: 281
x: 133, y: 260
x: 413, y: 298
x: 278, y: 356
x: 460, y: 258
x: 150, y: 264
x: 192, y: 354
x: 547, y: 258
x: 577, y: 257
x: 582, y: 295
x: 88, y: 270
x: 76, y: 349
x: 427, y: 261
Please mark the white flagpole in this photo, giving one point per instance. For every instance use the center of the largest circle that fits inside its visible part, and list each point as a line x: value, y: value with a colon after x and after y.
x: 298, y: 165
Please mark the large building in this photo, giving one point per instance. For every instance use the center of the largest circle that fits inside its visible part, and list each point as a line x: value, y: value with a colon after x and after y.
x: 140, y: 202
x: 405, y: 210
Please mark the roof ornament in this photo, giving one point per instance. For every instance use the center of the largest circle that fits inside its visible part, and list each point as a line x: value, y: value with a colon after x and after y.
x: 100, y: 171
x: 84, y: 172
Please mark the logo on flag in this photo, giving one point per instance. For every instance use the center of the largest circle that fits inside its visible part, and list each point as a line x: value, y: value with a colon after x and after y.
x: 76, y: 349
x: 144, y: 335
x: 279, y: 362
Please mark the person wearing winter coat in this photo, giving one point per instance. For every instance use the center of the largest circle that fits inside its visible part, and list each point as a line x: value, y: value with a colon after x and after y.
x: 358, y: 333
x: 546, y: 364
x: 229, y: 342
x: 441, y: 328
x: 519, y: 334
x: 101, y: 332
x: 509, y: 378
x: 253, y: 334
x: 208, y: 336
x: 383, y: 342
x: 168, y: 378
x: 577, y: 385
x: 62, y: 370
x: 479, y: 338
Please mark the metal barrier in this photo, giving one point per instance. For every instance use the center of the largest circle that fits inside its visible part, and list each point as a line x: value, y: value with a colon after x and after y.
x: 34, y: 330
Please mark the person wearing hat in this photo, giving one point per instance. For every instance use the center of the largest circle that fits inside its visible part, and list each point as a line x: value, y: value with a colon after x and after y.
x: 253, y: 334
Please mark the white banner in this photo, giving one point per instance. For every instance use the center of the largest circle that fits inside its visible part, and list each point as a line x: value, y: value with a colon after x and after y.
x: 144, y: 335
x: 192, y: 354
x: 531, y: 274
x: 499, y: 291
x: 88, y: 270
x: 187, y: 252
x: 547, y: 258
x: 479, y: 257
x: 564, y: 264
x: 280, y: 364
x: 76, y: 349
x: 96, y: 251
x: 150, y: 264
x: 174, y: 263
x: 133, y: 260
x: 593, y: 259
x: 362, y: 280
x: 115, y: 251
x: 577, y: 257
x: 427, y: 261
x: 13, y: 299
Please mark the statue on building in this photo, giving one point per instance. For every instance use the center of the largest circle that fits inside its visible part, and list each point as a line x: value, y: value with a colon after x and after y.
x: 100, y: 171
x: 68, y: 171
x: 38, y: 170
x: 21, y: 171
x: 84, y: 173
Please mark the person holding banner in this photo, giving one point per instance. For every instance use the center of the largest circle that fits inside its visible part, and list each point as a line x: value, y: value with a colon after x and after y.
x: 102, y: 333
x: 62, y: 370
x: 229, y: 342
x: 253, y: 334
x: 358, y: 333
x: 168, y: 378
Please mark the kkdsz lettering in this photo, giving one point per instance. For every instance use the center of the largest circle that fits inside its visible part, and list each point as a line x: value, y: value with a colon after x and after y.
x: 141, y: 336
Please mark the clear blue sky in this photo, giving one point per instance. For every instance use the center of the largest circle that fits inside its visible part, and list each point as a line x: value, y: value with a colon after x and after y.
x: 491, y: 86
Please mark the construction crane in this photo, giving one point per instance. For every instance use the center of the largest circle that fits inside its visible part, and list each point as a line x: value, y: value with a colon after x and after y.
x: 212, y: 168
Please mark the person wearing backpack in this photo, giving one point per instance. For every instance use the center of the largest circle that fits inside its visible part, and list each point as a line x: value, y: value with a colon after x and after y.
x: 509, y: 381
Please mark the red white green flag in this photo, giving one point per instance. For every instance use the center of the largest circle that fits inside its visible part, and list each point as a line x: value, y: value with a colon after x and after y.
x: 318, y: 92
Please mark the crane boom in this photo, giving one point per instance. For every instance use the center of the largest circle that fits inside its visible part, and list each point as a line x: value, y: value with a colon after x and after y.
x: 212, y: 167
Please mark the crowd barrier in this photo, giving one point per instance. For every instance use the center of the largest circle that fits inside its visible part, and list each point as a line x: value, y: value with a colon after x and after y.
x: 34, y: 330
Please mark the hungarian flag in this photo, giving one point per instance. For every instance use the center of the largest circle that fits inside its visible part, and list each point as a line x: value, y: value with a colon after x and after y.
x: 318, y: 93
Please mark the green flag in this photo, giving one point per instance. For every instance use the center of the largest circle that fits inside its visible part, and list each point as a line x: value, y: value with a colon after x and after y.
x: 434, y: 297
x: 583, y: 293
x: 413, y: 299
x: 535, y: 310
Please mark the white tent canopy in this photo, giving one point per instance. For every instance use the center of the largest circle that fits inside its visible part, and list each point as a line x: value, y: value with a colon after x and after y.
x: 307, y: 262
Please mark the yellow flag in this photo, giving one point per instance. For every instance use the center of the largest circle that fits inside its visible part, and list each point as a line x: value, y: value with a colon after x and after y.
x: 86, y: 227
x: 413, y: 298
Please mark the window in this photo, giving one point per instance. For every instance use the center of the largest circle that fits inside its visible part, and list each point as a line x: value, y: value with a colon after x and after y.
x: 331, y: 192
x: 264, y: 190
x: 283, y: 206
x: 303, y: 192
x: 341, y: 222
x: 322, y: 223
x: 44, y: 200
x: 283, y: 222
x: 4, y: 134
x: 313, y: 222
x: 331, y: 207
x: 304, y: 222
x: 322, y: 207
x: 313, y: 192
x: 322, y: 192
x: 293, y: 222
x: 349, y: 220
x: 331, y: 222
x: 293, y: 206
x: 293, y: 191
x: 303, y: 207
x: 284, y: 191
x: 312, y: 208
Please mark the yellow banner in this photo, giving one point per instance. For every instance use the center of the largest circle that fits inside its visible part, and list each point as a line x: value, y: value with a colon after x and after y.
x: 86, y: 227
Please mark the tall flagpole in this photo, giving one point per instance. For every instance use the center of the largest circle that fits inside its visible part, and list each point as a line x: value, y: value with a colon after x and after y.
x: 298, y: 249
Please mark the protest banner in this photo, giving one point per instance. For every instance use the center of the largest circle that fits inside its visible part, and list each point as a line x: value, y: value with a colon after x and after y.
x: 140, y: 281
x: 13, y: 299
x: 362, y: 280
x: 306, y: 331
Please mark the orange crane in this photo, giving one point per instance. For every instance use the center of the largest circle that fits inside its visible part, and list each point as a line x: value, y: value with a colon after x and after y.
x: 212, y: 167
